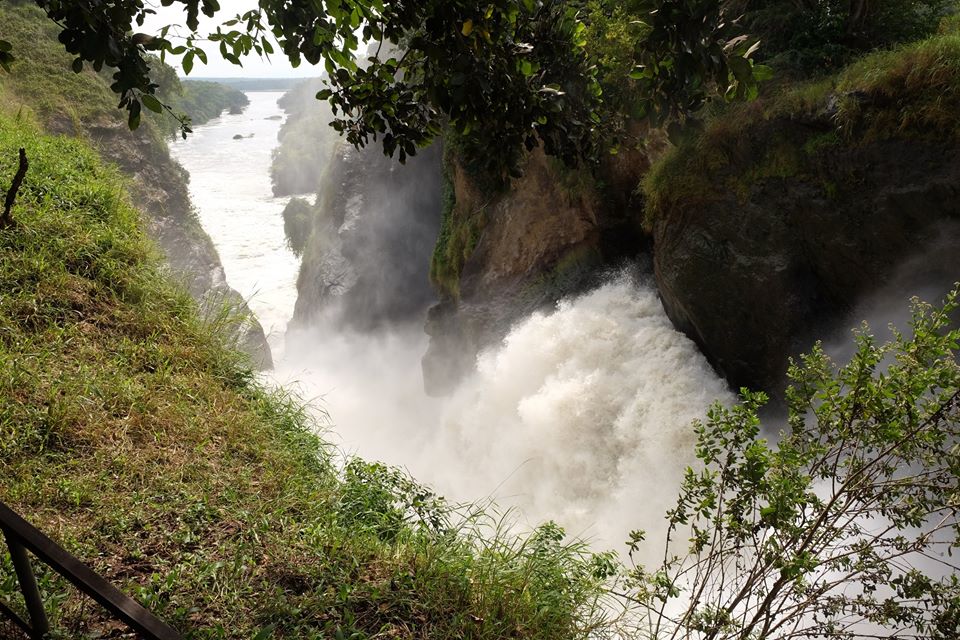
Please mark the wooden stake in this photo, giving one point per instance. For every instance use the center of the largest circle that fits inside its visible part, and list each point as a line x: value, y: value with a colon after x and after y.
x: 7, y: 219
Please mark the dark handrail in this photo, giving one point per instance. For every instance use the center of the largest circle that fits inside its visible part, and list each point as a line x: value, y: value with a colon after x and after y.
x: 21, y: 536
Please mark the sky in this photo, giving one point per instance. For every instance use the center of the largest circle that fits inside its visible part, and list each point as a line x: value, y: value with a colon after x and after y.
x: 253, y: 67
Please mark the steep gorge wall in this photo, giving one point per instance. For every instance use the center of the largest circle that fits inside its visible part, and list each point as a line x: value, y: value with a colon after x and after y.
x: 764, y: 232
x: 771, y: 228
x: 756, y: 276
x: 505, y: 252
x: 767, y: 231
x: 159, y: 189
x: 368, y: 241
x: 43, y: 86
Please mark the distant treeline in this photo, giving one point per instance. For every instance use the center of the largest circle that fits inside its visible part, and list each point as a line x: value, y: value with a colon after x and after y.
x: 203, y: 101
x: 258, y: 84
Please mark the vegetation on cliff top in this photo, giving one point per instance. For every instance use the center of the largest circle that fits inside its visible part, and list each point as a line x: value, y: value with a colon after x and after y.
x: 803, y: 38
x: 517, y: 71
x: 133, y: 436
x: 41, y: 79
x: 911, y: 92
x: 202, y: 101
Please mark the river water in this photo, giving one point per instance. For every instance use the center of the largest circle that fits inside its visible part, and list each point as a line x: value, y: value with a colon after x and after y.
x: 581, y: 415
x: 230, y: 188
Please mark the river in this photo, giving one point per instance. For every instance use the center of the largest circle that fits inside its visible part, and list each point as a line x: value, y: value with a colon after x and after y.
x: 581, y: 414
x: 230, y: 188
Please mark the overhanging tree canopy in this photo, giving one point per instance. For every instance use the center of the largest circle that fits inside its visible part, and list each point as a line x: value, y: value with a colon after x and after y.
x: 508, y: 73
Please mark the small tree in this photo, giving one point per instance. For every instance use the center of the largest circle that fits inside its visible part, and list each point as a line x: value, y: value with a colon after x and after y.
x: 843, y: 529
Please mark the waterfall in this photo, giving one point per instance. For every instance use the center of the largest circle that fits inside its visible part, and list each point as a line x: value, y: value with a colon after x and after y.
x: 582, y: 414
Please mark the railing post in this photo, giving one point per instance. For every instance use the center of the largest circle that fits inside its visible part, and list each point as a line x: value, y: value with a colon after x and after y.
x: 28, y: 585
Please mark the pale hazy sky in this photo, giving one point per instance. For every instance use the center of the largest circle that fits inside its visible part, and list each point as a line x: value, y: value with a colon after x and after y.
x: 253, y: 66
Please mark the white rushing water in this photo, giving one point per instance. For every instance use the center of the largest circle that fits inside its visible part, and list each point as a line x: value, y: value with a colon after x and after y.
x: 581, y: 414
x: 230, y: 188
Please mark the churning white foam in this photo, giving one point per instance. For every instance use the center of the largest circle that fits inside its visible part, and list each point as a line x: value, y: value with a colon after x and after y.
x: 581, y: 415
x: 586, y: 412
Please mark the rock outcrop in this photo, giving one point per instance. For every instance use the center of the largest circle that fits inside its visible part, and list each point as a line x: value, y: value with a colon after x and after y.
x: 504, y: 253
x: 372, y: 231
x: 784, y: 227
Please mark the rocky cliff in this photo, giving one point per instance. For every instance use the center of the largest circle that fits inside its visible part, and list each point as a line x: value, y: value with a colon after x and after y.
x: 767, y: 230
x: 159, y: 189
x: 368, y: 241
x: 506, y: 251
x: 771, y: 227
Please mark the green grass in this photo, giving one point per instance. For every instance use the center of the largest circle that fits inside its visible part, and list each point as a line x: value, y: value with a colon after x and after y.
x: 912, y: 92
x: 132, y: 435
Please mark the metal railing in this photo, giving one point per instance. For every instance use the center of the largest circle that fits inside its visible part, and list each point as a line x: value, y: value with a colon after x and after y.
x: 22, y: 537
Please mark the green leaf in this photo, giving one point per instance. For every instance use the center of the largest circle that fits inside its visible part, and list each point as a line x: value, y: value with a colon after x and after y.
x: 762, y: 72
x: 742, y: 70
x: 77, y: 65
x: 150, y: 102
x: 187, y: 63
x: 264, y: 633
x: 133, y: 121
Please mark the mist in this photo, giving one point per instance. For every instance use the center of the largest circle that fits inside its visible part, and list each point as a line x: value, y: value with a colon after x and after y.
x: 566, y: 419
x: 928, y: 274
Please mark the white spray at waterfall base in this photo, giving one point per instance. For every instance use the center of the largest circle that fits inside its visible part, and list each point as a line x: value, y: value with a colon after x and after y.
x: 588, y: 410
x: 581, y: 415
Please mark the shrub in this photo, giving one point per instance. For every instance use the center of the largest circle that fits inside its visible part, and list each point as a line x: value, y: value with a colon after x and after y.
x: 847, y: 524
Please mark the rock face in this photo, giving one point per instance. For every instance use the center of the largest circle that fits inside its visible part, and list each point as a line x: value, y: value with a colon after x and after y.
x: 365, y: 264
x: 783, y: 244
x: 506, y: 253
x: 159, y: 190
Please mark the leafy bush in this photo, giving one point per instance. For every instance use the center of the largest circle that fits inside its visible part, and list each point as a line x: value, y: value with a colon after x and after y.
x: 847, y: 525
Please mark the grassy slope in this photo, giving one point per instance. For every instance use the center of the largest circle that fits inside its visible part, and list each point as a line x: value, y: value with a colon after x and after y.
x: 909, y: 92
x: 43, y: 82
x: 132, y: 436
x: 51, y: 90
